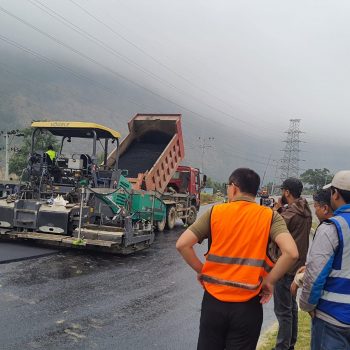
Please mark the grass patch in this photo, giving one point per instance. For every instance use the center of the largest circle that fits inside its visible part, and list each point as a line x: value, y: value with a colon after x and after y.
x: 210, y: 198
x: 268, y: 340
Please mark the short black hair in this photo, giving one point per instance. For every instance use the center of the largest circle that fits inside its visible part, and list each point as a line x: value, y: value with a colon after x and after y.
x: 50, y: 147
x: 344, y: 194
x: 323, y: 197
x: 294, y: 186
x: 246, y: 179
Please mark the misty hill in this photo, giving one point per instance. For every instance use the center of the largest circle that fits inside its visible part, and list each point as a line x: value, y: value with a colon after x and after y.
x: 33, y: 90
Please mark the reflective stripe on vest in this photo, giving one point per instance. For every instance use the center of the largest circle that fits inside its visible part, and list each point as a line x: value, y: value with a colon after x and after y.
x: 335, y: 300
x: 237, y: 261
x: 214, y: 280
x: 240, y: 261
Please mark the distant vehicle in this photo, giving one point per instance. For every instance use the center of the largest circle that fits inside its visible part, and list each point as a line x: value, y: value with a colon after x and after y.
x: 263, y: 193
x: 265, y: 199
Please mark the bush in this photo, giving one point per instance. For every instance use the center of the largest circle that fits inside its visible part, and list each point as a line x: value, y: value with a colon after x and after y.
x: 210, y: 198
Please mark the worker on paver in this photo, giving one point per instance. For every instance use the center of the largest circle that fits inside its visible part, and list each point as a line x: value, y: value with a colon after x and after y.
x: 297, y: 215
x: 326, y: 288
x: 238, y: 276
x: 51, y: 153
x: 323, y: 211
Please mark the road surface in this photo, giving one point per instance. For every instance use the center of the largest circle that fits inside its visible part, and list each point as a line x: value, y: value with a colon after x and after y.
x: 79, y: 300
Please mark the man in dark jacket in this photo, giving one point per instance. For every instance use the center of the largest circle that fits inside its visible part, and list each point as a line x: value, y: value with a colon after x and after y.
x: 297, y: 215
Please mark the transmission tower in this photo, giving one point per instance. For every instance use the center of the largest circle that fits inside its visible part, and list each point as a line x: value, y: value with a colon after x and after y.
x: 205, y: 144
x: 289, y: 166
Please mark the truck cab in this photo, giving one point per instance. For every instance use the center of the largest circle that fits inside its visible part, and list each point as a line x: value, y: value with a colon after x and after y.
x: 187, y: 180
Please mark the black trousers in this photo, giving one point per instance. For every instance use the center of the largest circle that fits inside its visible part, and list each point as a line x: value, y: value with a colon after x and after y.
x: 230, y: 326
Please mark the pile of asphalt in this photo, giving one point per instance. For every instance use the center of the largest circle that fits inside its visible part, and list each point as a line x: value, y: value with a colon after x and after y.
x: 143, y: 152
x: 140, y: 157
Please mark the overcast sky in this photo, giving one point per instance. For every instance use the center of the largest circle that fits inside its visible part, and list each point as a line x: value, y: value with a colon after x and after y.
x: 249, y: 65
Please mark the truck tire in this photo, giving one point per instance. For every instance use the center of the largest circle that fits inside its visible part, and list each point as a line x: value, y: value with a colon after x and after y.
x: 170, y: 218
x: 192, y: 216
x: 160, y: 225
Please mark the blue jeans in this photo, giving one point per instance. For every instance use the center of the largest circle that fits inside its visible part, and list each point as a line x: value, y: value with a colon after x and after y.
x: 286, y: 311
x: 325, y: 336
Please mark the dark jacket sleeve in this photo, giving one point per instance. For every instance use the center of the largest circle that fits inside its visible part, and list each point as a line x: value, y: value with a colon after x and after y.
x: 299, y: 220
x: 318, y: 265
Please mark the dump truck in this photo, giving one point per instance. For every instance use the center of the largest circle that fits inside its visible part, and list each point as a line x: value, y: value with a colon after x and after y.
x: 151, y: 154
x: 182, y: 197
x: 76, y: 202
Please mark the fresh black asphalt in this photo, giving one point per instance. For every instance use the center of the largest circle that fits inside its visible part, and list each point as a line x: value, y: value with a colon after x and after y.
x: 10, y: 252
x: 79, y: 300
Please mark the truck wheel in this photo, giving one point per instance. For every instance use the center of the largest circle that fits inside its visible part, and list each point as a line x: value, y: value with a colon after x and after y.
x: 160, y: 225
x: 170, y: 218
x: 192, y: 216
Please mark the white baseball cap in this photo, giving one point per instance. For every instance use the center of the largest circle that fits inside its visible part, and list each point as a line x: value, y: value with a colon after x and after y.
x: 341, y: 180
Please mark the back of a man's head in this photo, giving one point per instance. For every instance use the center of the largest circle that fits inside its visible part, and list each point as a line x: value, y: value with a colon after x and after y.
x: 294, y: 186
x: 341, y: 183
x: 323, y: 197
x: 345, y: 195
x: 247, y: 180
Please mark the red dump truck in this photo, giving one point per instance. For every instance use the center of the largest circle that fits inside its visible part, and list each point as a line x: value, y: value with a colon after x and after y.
x: 151, y: 154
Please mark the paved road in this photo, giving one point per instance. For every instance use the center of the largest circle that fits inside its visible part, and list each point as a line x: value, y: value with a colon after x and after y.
x: 10, y: 252
x: 78, y: 300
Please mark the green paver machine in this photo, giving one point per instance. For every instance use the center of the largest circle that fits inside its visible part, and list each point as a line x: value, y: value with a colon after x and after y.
x: 74, y: 201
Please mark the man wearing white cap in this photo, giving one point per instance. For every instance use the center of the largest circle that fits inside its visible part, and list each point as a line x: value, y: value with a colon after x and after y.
x: 326, y: 289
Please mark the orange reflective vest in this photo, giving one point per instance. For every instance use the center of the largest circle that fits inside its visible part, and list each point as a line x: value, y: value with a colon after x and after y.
x: 237, y: 259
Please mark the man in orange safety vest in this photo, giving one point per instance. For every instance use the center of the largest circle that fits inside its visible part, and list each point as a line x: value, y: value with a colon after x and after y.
x: 238, y: 275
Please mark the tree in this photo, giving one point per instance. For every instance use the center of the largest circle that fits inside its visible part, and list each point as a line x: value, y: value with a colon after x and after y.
x: 216, y: 186
x: 317, y: 178
x: 19, y: 160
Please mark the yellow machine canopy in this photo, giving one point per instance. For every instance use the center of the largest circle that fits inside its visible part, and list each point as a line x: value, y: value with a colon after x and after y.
x: 77, y: 129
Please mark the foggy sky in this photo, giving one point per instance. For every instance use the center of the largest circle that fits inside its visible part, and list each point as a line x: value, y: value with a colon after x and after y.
x: 248, y: 65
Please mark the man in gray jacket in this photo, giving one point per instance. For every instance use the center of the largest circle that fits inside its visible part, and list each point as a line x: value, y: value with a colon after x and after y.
x: 297, y: 215
x: 326, y: 287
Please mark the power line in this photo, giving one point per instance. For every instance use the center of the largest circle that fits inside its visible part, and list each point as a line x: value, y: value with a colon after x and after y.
x: 30, y: 51
x: 126, y: 59
x: 232, y: 154
x: 66, y: 69
x: 94, y: 61
x: 95, y: 40
x: 52, y: 86
x: 160, y: 63
x: 76, y: 75
x: 203, y: 146
x: 81, y: 54
x: 80, y: 76
x: 235, y: 148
